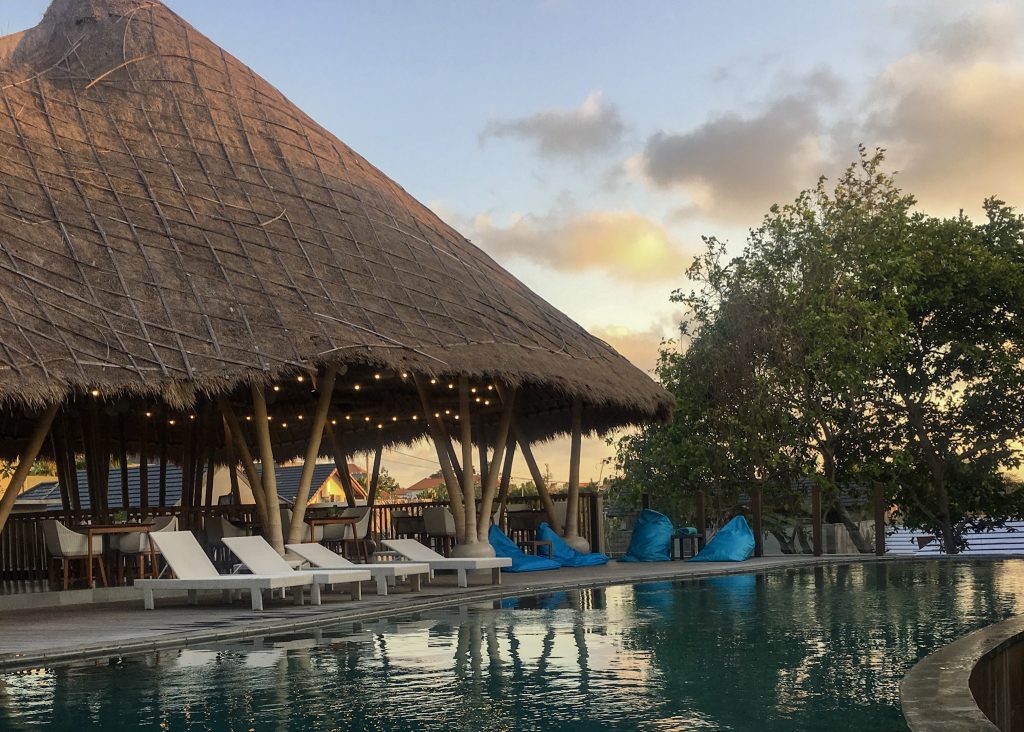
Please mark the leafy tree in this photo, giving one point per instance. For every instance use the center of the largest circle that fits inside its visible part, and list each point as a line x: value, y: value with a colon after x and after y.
x: 853, y: 341
x: 386, y: 484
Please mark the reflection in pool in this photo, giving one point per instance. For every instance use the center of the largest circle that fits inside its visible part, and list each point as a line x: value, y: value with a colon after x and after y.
x: 809, y: 649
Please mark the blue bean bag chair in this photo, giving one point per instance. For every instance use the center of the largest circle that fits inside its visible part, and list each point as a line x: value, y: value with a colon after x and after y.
x: 521, y: 562
x: 734, y: 542
x: 564, y: 554
x: 651, y: 540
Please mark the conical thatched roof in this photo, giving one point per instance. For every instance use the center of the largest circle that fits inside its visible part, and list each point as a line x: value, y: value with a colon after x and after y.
x: 170, y: 225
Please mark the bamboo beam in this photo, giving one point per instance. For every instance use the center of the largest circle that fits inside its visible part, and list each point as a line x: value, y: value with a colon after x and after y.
x: 572, y: 502
x: 481, y: 446
x: 371, y: 497
x: 163, y: 437
x: 234, y: 428
x: 506, y: 481
x: 28, y: 457
x: 439, y: 436
x: 123, y: 460
x: 490, y: 485
x: 453, y: 456
x: 341, y: 464
x: 538, y: 478
x: 466, y: 438
x: 325, y: 388
x: 272, y: 528
x: 144, y: 464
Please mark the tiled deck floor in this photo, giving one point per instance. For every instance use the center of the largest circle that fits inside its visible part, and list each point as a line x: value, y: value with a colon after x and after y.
x: 43, y: 636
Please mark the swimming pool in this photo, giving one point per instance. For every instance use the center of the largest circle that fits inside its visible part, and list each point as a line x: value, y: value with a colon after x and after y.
x: 805, y: 649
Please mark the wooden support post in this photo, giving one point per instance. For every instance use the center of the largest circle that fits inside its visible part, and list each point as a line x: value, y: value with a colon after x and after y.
x: 234, y: 427
x: 597, y: 521
x: 187, y: 478
x: 481, y: 447
x: 443, y: 446
x: 490, y: 486
x: 28, y: 456
x: 272, y: 529
x: 538, y: 477
x: 879, y: 505
x: 164, y: 438
x: 816, y: 520
x: 756, y: 509
x: 572, y: 503
x: 97, y: 461
x: 371, y: 498
x: 210, y: 468
x: 325, y: 392
x: 122, y: 445
x: 341, y: 463
x: 144, y: 463
x: 506, y: 481
x: 466, y: 438
x: 702, y: 521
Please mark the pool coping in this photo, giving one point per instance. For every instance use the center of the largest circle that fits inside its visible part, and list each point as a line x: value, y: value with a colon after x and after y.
x: 936, y: 693
x: 14, y: 662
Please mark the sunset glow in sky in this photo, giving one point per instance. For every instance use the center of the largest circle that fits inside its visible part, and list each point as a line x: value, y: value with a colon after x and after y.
x: 587, y: 145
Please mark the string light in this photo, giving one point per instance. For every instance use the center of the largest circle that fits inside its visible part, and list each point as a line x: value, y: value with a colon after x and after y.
x: 300, y: 416
x: 490, y: 387
x: 348, y: 417
x: 447, y: 411
x: 277, y: 388
x: 451, y: 386
x: 356, y: 387
x: 377, y: 377
x: 394, y: 419
x: 248, y: 418
x: 284, y: 425
x: 380, y: 426
x: 405, y: 374
x: 334, y: 421
x: 191, y: 416
x: 487, y: 402
x: 456, y: 417
x: 366, y: 418
x: 478, y: 400
x: 472, y: 390
x: 269, y: 418
x: 170, y: 421
x: 149, y: 414
x: 433, y: 381
x: 415, y: 417
x: 300, y: 378
x: 95, y: 392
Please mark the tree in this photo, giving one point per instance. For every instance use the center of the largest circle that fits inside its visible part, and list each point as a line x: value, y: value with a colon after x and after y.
x: 853, y: 341
x: 386, y: 484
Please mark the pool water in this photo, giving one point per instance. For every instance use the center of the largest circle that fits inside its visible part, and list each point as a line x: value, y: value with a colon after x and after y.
x: 805, y: 649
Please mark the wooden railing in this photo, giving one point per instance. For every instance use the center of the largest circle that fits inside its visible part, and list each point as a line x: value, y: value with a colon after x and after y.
x: 23, y: 554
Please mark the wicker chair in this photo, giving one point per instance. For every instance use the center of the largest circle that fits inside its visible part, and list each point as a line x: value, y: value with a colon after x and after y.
x: 67, y: 546
x: 440, y: 527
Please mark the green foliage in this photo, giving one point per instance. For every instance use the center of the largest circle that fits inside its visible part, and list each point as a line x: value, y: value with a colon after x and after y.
x: 854, y: 341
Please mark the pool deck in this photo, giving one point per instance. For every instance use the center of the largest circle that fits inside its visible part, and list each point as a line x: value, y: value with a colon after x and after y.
x: 46, y: 636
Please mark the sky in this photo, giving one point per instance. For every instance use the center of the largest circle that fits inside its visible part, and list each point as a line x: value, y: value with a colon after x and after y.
x: 589, y: 145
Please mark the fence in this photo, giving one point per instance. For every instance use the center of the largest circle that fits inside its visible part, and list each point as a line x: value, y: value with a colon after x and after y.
x: 23, y: 555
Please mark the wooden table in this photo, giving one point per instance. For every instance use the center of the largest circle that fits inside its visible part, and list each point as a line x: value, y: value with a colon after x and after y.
x: 353, y: 521
x: 105, y: 530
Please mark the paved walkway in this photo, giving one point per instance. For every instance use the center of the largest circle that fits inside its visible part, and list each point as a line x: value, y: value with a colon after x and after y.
x: 46, y: 636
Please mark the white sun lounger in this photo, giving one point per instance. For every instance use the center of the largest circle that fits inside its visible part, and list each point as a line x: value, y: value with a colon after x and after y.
x: 261, y: 558
x: 416, y: 552
x: 383, y: 572
x: 195, y: 572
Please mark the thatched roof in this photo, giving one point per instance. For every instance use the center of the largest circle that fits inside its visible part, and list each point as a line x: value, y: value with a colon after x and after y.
x: 172, y: 226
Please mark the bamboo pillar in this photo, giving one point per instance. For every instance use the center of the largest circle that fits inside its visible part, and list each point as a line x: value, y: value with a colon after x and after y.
x: 144, y: 464
x: 272, y: 528
x: 122, y: 457
x: 443, y: 447
x: 481, y: 446
x: 506, y: 481
x: 757, y: 509
x: 297, y: 530
x: 341, y: 464
x: 234, y: 427
x: 453, y: 457
x: 164, y: 438
x: 572, y: 504
x: 538, y: 478
x: 466, y: 438
x: 816, y: 520
x: 28, y: 456
x: 879, y: 505
x: 371, y: 497
x: 490, y: 485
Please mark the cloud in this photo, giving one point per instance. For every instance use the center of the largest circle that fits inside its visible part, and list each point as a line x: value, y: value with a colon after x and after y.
x: 623, y: 243
x: 951, y: 114
x: 642, y: 347
x: 593, y: 127
x: 734, y: 166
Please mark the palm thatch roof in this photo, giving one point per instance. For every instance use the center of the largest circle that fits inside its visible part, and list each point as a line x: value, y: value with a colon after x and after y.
x: 171, y: 227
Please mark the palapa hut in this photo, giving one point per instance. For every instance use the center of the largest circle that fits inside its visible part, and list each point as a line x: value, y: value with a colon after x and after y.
x: 192, y: 270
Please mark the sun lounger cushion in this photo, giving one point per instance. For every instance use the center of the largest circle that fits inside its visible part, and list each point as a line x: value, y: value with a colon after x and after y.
x: 564, y: 554
x: 651, y: 540
x: 521, y: 561
x: 734, y: 542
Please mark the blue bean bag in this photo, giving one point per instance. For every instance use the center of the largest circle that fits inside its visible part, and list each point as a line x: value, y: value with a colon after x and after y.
x: 521, y: 562
x: 734, y: 542
x: 564, y: 554
x: 651, y: 540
